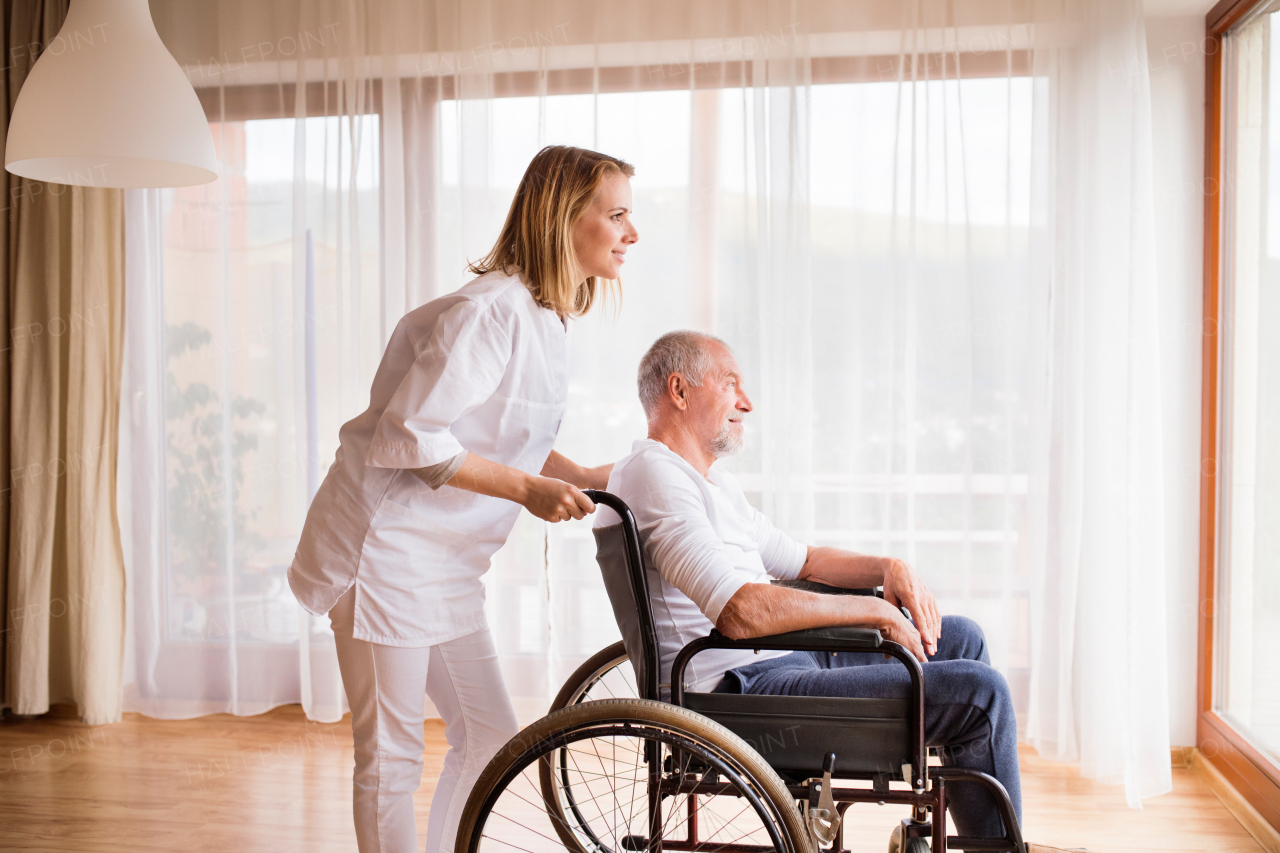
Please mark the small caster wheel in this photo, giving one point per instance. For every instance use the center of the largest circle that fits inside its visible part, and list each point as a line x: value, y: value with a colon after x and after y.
x: 913, y: 845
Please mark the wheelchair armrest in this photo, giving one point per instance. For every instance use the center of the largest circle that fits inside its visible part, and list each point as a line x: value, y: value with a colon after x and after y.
x: 840, y: 638
x: 834, y: 639
x: 826, y: 589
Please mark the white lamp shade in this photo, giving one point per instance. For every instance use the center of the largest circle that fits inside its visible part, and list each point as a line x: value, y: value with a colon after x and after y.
x: 106, y: 105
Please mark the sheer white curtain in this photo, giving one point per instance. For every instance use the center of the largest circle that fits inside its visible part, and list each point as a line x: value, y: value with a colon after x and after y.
x: 1099, y: 673
x: 923, y: 226
x: 255, y: 322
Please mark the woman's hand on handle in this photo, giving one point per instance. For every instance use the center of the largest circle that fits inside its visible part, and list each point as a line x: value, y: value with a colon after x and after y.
x: 555, y: 500
x: 548, y: 498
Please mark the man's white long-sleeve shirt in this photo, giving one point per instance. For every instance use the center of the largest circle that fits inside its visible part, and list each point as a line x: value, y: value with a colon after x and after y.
x: 702, y: 542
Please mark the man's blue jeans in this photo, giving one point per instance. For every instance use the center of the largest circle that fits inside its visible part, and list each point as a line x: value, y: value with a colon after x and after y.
x: 968, y: 710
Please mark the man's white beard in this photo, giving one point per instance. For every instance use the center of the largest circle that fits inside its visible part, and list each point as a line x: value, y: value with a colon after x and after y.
x: 727, y: 442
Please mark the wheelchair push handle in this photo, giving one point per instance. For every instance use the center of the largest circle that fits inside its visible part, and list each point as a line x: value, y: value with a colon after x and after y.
x: 613, y: 502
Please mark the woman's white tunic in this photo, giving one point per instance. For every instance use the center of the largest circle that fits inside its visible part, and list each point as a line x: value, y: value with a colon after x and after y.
x: 484, y: 369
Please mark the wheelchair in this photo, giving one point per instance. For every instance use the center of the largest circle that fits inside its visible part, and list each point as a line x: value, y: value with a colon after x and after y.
x: 614, y: 768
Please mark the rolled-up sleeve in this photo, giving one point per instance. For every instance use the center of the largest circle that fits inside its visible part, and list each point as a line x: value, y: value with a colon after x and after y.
x: 455, y: 370
x: 683, y: 545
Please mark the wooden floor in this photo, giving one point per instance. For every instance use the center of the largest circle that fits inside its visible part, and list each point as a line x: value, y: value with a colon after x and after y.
x: 278, y: 783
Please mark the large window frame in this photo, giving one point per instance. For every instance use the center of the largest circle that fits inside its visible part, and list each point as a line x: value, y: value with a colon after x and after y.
x: 1255, y: 776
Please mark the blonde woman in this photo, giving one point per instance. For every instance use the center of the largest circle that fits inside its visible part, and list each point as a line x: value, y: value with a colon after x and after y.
x: 428, y: 482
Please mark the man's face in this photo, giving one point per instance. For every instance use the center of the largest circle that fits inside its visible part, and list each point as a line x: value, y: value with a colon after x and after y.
x: 716, y: 407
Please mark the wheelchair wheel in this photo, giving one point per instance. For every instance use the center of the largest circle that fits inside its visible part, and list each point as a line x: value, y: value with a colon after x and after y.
x: 914, y: 845
x: 605, y: 675
x: 705, y: 787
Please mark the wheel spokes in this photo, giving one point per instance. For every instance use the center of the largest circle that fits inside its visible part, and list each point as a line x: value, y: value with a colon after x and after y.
x: 601, y: 797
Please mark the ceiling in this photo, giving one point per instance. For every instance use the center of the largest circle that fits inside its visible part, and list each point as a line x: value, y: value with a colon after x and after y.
x: 1172, y: 8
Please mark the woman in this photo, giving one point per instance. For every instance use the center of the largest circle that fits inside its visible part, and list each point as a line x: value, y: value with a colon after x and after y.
x: 429, y: 480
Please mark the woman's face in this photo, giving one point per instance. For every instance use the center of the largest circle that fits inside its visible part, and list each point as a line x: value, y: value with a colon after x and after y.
x: 603, y: 234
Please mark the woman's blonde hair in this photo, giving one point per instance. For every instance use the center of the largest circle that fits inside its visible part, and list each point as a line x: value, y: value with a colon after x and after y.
x: 537, y: 238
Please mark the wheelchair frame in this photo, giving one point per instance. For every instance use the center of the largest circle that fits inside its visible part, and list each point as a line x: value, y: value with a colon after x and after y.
x: 928, y: 784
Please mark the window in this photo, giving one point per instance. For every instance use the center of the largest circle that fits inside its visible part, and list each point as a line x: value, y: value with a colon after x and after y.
x: 912, y: 225
x: 1239, y: 721
x: 1246, y: 688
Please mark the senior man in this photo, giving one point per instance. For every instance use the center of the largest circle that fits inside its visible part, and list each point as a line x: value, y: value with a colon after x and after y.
x: 709, y: 555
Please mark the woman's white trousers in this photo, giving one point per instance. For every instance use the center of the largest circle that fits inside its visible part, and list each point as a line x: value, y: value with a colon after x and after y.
x: 385, y: 687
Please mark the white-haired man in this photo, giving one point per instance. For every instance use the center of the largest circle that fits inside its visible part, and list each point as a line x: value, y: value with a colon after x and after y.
x: 710, y: 555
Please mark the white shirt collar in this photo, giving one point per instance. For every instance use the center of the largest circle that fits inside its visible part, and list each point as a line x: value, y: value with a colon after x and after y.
x: 645, y: 443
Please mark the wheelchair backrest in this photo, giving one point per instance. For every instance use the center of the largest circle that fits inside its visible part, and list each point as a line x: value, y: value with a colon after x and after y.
x: 622, y: 567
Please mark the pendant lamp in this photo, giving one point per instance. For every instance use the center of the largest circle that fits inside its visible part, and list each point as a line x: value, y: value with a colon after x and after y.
x: 106, y: 105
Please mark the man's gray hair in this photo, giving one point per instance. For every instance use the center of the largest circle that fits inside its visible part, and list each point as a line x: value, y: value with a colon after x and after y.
x: 683, y: 352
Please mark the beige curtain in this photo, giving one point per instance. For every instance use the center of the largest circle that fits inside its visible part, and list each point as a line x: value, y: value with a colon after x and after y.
x: 63, y: 585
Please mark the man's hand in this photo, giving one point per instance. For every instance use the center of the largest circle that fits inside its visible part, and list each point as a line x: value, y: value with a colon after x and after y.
x: 897, y: 629
x: 762, y: 609
x: 903, y: 587
x: 556, y: 500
